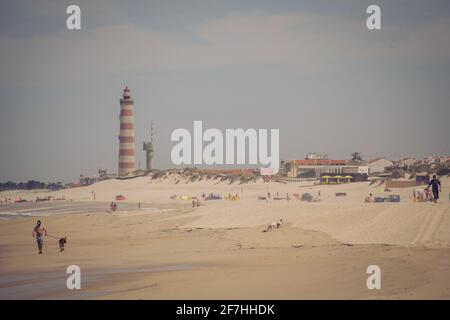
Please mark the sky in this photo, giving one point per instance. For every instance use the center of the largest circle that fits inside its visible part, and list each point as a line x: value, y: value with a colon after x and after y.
x: 311, y: 69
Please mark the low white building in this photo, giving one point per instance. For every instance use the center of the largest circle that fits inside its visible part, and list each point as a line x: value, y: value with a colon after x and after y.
x: 407, y: 162
x: 316, y: 156
x: 429, y: 159
x: 343, y: 170
x: 379, y: 165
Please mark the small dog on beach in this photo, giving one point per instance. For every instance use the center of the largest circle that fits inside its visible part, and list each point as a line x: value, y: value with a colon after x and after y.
x: 62, y: 242
x: 273, y: 225
x: 279, y: 223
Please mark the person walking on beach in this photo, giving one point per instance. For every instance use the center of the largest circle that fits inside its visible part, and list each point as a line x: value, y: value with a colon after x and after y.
x: 435, y: 187
x: 113, y: 206
x: 39, y: 232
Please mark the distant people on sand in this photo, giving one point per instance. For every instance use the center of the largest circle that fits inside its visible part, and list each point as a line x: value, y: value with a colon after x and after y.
x: 317, y: 199
x: 39, y: 232
x: 229, y: 196
x: 435, y: 187
x: 113, y: 206
x: 425, y: 195
x: 428, y: 196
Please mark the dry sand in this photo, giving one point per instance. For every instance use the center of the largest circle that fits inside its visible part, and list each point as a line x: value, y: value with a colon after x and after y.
x: 218, y: 250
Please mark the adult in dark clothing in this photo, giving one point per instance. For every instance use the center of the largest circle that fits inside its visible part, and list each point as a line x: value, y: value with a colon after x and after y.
x: 435, y: 187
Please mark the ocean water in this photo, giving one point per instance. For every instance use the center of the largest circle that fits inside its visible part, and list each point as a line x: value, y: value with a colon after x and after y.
x: 18, y: 215
x: 25, y: 210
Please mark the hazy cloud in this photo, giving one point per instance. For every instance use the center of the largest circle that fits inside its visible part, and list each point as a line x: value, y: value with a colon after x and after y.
x: 308, y: 68
x: 309, y: 42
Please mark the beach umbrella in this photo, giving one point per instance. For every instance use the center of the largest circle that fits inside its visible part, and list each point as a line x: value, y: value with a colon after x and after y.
x: 348, y: 178
x: 337, y: 178
x: 325, y: 178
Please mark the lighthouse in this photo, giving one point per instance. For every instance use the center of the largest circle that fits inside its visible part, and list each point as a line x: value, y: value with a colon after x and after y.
x: 127, y: 156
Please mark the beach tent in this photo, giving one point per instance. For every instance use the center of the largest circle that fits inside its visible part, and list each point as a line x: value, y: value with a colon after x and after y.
x: 349, y: 178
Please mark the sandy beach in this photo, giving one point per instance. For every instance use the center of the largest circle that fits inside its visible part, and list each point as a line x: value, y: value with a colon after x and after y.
x: 166, y: 249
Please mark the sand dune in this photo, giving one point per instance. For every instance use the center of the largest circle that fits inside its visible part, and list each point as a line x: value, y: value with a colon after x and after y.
x: 166, y: 249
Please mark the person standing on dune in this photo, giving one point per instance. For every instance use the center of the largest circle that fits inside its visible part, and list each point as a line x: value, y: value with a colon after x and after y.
x: 435, y: 187
x: 39, y: 232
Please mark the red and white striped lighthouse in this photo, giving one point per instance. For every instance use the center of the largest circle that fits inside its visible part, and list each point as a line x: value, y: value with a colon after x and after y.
x: 127, y: 155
